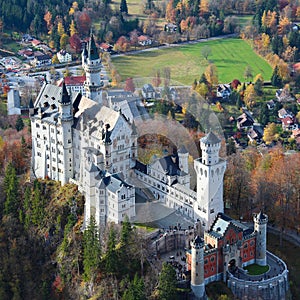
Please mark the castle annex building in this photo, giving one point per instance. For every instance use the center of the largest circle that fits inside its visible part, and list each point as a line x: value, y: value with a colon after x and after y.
x: 76, y: 138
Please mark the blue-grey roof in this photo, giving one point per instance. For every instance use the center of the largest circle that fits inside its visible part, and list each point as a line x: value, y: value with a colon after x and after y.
x: 210, y: 138
x: 182, y: 150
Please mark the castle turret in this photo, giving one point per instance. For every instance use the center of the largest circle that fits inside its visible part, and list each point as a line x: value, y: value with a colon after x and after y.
x: 31, y: 108
x: 134, y: 137
x: 210, y: 169
x: 197, y: 268
x: 260, y: 227
x: 66, y: 146
x: 92, y: 66
x: 183, y: 156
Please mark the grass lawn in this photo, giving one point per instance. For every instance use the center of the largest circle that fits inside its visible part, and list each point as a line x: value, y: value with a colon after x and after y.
x: 256, y: 269
x: 231, y: 56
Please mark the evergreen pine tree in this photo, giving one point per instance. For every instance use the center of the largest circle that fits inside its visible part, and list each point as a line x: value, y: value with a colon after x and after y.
x: 91, y: 250
x: 11, y: 187
x: 136, y: 290
x: 19, y: 123
x: 276, y: 80
x: 125, y: 232
x: 167, y: 283
x: 111, y: 261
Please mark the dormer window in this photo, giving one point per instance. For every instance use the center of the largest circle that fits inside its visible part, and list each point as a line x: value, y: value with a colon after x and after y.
x: 46, y: 104
x: 53, y: 98
x: 53, y: 106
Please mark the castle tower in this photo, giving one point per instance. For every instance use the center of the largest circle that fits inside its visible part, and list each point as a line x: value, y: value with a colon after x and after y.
x: 197, y: 268
x: 107, y: 144
x: 210, y: 169
x: 66, y: 146
x: 260, y: 227
x: 134, y: 137
x: 91, y: 64
x: 183, y: 156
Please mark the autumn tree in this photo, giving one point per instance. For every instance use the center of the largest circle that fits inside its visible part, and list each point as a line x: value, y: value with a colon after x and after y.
x: 84, y: 23
x: 64, y: 40
x: 48, y: 20
x: 72, y: 28
x: 211, y: 74
x: 129, y: 85
x: 156, y: 80
x: 134, y: 38
x: 250, y: 96
x: 75, y: 43
x: 270, y: 133
x: 60, y: 28
x: 236, y: 188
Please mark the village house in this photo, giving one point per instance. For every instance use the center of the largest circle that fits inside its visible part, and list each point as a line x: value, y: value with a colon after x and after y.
x: 63, y: 56
x: 223, y: 91
x: 41, y: 60
x: 148, y: 91
x: 144, y: 40
x: 170, y: 27
x: 245, y: 120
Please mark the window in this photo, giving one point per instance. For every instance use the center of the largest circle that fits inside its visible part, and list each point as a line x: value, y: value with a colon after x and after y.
x: 212, y: 259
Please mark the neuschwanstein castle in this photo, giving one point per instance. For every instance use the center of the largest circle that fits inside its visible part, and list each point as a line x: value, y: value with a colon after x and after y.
x: 76, y: 138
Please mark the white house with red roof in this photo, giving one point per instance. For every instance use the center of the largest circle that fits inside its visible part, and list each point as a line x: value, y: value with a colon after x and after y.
x: 74, y: 84
x: 144, y: 40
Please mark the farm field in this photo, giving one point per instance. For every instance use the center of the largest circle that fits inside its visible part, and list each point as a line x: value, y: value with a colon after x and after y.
x: 231, y: 56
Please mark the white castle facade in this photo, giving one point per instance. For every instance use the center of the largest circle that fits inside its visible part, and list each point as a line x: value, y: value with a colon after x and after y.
x: 77, y: 138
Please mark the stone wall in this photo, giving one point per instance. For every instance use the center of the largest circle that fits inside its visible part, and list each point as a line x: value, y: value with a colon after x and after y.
x: 274, y: 288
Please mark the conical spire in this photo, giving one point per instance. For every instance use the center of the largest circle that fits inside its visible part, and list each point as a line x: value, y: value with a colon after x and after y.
x: 31, y: 103
x: 92, y: 49
x: 65, y: 98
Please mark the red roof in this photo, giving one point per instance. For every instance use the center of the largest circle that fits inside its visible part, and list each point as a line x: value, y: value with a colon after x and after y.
x: 35, y: 42
x: 105, y: 46
x: 142, y: 38
x: 287, y: 121
x: 74, y: 80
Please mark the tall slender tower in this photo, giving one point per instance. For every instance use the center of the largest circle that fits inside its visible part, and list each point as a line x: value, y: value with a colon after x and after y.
x: 65, y: 145
x: 260, y: 227
x: 210, y: 169
x: 92, y: 66
x: 197, y: 268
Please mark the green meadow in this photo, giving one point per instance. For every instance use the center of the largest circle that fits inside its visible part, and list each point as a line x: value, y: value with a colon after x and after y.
x: 231, y: 56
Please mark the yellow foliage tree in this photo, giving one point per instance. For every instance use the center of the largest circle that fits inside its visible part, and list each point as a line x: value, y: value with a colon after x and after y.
x: 284, y: 25
x: 64, y: 39
x: 73, y: 29
x: 60, y: 28
x: 211, y: 74
x: 250, y: 96
x: 270, y: 133
x: 202, y: 89
x: 265, y: 41
x: 203, y: 7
